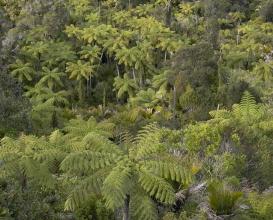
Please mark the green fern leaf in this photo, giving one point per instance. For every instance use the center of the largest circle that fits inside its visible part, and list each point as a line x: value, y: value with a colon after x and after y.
x: 156, y: 187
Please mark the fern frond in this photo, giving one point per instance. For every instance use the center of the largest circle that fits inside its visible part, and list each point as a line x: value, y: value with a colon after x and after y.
x: 96, y: 142
x: 156, y: 187
x: 126, y: 138
x: 170, y: 170
x: 143, y: 207
x: 146, y: 132
x: 247, y: 105
x: 117, y: 185
x: 52, y: 158
x: 9, y: 143
x: 148, y: 141
x: 87, y: 187
x: 86, y: 161
x: 80, y: 128
x: 38, y: 172
x: 55, y: 137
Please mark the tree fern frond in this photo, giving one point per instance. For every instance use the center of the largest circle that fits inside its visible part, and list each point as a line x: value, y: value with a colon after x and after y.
x: 52, y: 158
x: 96, y: 142
x: 247, y: 105
x: 86, y: 161
x: 90, y: 185
x: 146, y: 132
x: 148, y: 141
x: 170, y: 170
x: 108, y: 127
x: 126, y: 138
x: 143, y: 207
x: 55, y: 137
x: 117, y: 185
x: 9, y: 143
x: 39, y: 172
x: 80, y: 128
x: 157, y: 187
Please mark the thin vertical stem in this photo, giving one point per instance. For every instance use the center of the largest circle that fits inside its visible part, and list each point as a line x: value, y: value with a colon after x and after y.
x: 126, y: 208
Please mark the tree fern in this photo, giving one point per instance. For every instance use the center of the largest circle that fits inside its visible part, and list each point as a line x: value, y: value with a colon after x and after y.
x: 132, y: 164
x: 23, y: 71
x: 18, y: 158
x: 247, y: 110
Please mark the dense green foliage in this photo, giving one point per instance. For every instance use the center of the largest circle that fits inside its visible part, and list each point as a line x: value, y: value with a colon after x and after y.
x: 146, y: 110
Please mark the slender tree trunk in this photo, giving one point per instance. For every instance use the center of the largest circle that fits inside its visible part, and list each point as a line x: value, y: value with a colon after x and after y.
x: 87, y: 87
x: 104, y: 100
x: 238, y: 37
x: 23, y: 182
x: 126, y: 208
x: 90, y: 84
x: 141, y: 81
x: 54, y: 119
x: 168, y: 19
x: 174, y: 98
x: 117, y: 70
x: 81, y: 91
x: 134, y: 74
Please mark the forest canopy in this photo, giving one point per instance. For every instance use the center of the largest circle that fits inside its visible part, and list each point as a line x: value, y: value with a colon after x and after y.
x: 136, y: 109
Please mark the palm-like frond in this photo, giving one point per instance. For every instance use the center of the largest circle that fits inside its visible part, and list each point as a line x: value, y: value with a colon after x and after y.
x: 84, y: 162
x: 88, y: 186
x: 247, y: 109
x: 157, y: 187
x: 117, y: 185
x: 170, y: 170
x: 23, y: 71
x: 80, y: 70
x: 51, y: 77
x: 143, y: 207
x: 125, y: 85
x: 148, y: 141
x: 79, y: 128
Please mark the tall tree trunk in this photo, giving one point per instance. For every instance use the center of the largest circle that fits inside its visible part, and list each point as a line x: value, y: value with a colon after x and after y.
x: 174, y: 98
x: 134, y: 74
x: 104, y: 100
x: 117, y: 70
x: 126, y: 208
x: 238, y: 37
x: 81, y: 91
x: 54, y: 119
x: 23, y: 182
x: 168, y: 19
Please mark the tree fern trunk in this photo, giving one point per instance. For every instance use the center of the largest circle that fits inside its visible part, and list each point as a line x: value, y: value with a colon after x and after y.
x: 117, y: 70
x: 54, y: 119
x: 104, y: 100
x: 174, y: 98
x: 238, y: 37
x: 81, y: 91
x: 126, y: 208
x: 168, y: 19
x: 134, y: 74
